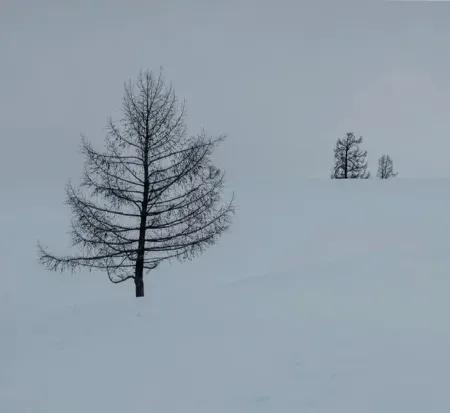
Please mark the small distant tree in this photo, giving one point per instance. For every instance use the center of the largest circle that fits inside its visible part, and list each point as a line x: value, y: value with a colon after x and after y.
x: 152, y: 195
x: 386, y: 167
x: 350, y: 160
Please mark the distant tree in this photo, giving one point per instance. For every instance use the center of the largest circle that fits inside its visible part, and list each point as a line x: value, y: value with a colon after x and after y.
x: 350, y: 160
x: 386, y: 167
x: 152, y: 195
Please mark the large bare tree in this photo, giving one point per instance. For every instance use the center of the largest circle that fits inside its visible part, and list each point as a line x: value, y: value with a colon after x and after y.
x: 350, y: 160
x: 153, y: 194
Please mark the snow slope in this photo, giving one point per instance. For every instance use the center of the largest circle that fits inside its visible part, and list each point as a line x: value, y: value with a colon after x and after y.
x: 333, y: 299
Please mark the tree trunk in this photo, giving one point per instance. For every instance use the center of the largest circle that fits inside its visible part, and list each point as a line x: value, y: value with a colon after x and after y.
x: 139, y: 271
x: 139, y: 283
x: 346, y: 163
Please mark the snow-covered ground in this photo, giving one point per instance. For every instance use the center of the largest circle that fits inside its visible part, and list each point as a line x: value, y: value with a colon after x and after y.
x: 330, y: 297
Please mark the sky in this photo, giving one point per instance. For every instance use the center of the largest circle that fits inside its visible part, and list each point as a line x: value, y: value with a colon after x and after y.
x: 282, y: 79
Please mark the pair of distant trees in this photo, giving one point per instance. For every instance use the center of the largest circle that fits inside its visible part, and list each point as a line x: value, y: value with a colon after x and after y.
x: 351, y: 160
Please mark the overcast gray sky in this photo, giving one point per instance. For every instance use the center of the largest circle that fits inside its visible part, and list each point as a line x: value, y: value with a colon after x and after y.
x: 283, y: 79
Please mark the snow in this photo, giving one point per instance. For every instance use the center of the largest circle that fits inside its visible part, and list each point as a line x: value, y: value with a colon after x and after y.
x: 329, y: 297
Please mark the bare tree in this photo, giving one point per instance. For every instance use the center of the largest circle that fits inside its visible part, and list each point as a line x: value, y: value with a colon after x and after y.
x: 386, y: 167
x: 350, y: 160
x: 152, y: 195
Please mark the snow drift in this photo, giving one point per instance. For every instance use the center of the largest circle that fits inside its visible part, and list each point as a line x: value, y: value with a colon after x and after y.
x: 332, y: 299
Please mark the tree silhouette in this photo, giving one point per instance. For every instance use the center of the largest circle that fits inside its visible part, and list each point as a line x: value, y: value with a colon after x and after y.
x: 152, y: 195
x: 386, y: 167
x: 350, y: 160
